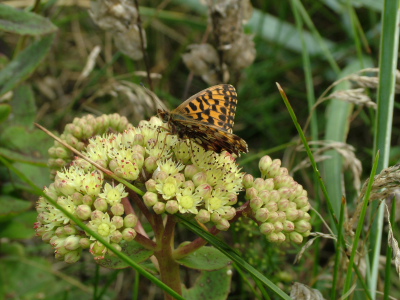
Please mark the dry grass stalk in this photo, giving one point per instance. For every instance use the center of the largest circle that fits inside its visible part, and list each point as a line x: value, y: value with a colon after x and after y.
x: 393, y: 243
x: 303, y: 292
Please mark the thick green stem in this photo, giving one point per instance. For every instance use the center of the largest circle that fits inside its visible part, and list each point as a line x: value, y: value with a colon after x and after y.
x: 169, y: 268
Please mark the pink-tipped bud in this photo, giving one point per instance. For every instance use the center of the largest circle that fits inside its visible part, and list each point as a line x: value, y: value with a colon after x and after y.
x: 130, y: 220
x: 248, y: 181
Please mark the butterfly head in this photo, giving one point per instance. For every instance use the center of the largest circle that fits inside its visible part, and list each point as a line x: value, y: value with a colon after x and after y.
x: 164, y: 115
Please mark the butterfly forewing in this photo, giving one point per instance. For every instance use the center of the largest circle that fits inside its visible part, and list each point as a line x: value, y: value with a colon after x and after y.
x: 214, y: 106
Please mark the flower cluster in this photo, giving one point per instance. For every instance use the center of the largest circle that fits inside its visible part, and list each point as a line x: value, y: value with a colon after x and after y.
x: 279, y: 204
x: 178, y: 175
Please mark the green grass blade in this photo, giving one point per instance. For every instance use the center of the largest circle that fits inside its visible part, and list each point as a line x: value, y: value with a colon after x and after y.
x: 383, y: 130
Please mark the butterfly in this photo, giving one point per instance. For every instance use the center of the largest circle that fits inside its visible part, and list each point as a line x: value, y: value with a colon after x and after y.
x: 207, y: 118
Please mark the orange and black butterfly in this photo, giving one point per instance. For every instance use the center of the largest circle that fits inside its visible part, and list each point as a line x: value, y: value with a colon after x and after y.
x: 207, y: 118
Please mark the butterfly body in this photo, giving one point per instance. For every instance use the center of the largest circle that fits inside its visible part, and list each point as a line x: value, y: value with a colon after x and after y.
x: 207, y: 118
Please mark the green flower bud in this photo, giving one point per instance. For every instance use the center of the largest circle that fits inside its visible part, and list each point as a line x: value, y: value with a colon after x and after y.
x: 264, y: 196
x: 96, y: 214
x: 301, y: 201
x: 306, y: 207
x: 296, y: 237
x: 283, y: 204
x: 262, y: 215
x: 288, y: 226
x: 233, y: 199
x: 190, y: 171
x: 251, y: 193
x: 281, y: 216
x: 199, y: 178
x: 88, y: 200
x: 302, y: 226
x: 278, y: 226
x: 264, y: 164
x: 98, y: 249
x: 306, y: 234
x: 70, y: 229
x: 285, y: 193
x: 72, y: 243
x: 188, y: 185
x: 292, y: 214
x: 160, y: 176
x: 116, y: 236
x: 77, y: 198
x: 61, y: 250
x: 101, y: 204
x: 266, y: 228
x: 281, y: 237
x: 274, y: 196
x: 84, y: 243
x: 150, y: 199
x: 83, y: 212
x: 248, y: 181
x: 273, y: 216
x: 130, y: 220
x: 229, y: 214
x: 128, y: 234
x: 61, y: 152
x: 215, y: 217
x: 118, y: 221
x: 307, y: 217
x: 180, y: 178
x: 203, y: 216
x: 259, y: 184
x: 117, y: 209
x: 272, y: 206
x: 256, y: 203
x: 151, y: 185
x: 223, y: 225
x: 60, y: 232
x: 59, y: 163
x: 159, y: 208
x: 273, y: 237
x: 73, y: 256
x: 138, y: 149
x: 117, y: 247
x: 172, y: 207
x: 47, y: 236
x: 150, y: 164
x: 138, y: 139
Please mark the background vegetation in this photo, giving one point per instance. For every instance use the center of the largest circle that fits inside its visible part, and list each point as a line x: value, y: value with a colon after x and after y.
x: 305, y: 46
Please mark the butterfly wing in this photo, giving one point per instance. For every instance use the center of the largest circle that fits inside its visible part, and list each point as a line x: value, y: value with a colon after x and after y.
x: 215, y: 106
x: 211, y: 137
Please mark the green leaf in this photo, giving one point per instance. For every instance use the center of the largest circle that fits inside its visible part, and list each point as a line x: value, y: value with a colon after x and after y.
x: 5, y: 110
x: 20, y: 227
x: 132, y: 249
x: 10, y: 207
x: 24, y: 22
x: 206, y: 258
x: 22, y: 66
x: 24, y: 108
x: 213, y: 285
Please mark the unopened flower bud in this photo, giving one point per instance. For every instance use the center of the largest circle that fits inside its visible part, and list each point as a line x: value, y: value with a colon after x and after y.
x: 60, y: 232
x: 256, y: 203
x: 285, y: 192
x: 98, y: 249
x: 180, y: 178
x: 264, y: 196
x: 278, y: 226
x: 128, y: 234
x: 150, y: 199
x: 150, y: 164
x: 117, y: 247
x: 259, y: 184
x: 118, y: 221
x: 281, y: 237
x: 172, y: 207
x: 266, y: 228
x: 272, y: 206
x: 84, y: 243
x: 138, y: 149
x: 296, y: 237
x: 138, y: 139
x: 117, y: 209
x: 116, y: 236
x: 61, y: 152
x: 72, y: 242
x: 203, y: 216
x: 160, y: 176
x: 190, y: 171
x: 265, y: 163
x: 283, y: 204
x: 215, y: 217
x: 306, y: 207
x: 273, y: 216
x: 100, y: 204
x: 223, y: 225
x: 233, y: 199
x: 159, y: 208
x: 88, y: 200
x: 97, y: 214
x: 188, y: 185
x: 288, y: 226
x: 70, y: 229
x: 46, y: 237
x: 302, y: 226
x: 262, y: 214
x: 83, y: 212
x: 77, y: 198
x: 151, y: 185
x: 292, y: 214
x: 273, y: 237
x: 72, y: 256
x: 251, y: 193
x: 306, y: 234
x: 248, y: 181
x: 199, y: 178
x: 130, y: 220
x: 281, y: 216
x: 229, y: 213
x: 274, y: 196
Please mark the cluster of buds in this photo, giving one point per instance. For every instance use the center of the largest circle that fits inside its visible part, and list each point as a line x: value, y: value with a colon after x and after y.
x: 120, y: 17
x: 231, y: 51
x: 78, y: 132
x: 178, y: 175
x: 279, y: 204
